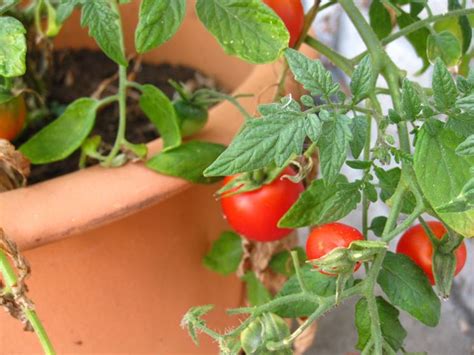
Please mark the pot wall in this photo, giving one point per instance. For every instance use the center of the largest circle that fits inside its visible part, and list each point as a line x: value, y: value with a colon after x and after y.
x: 123, y: 288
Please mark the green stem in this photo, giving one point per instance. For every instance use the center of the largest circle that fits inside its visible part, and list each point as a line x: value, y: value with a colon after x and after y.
x: 434, y: 241
x: 11, y: 280
x: 415, y: 27
x: 122, y: 96
x: 122, y: 99
x: 365, y: 198
x: 365, y: 31
x: 376, y: 330
x: 296, y: 265
x: 397, y: 201
x: 334, y: 57
x: 325, y: 305
x: 345, y: 108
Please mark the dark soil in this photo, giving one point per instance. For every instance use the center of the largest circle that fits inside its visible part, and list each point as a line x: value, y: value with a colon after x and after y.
x: 78, y: 74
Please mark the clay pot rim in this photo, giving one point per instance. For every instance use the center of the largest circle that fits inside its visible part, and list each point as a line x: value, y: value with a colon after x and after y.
x: 42, y: 232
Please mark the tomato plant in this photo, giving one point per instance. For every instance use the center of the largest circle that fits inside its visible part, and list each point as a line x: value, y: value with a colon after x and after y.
x: 416, y: 244
x: 255, y: 214
x: 12, y: 117
x: 434, y: 142
x: 292, y: 14
x: 324, y: 239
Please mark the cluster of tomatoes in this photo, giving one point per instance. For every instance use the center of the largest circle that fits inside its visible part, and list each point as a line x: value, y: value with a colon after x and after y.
x: 255, y: 215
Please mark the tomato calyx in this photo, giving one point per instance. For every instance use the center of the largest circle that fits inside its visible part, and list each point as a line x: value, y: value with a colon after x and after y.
x: 342, y: 260
x: 250, y: 181
x: 444, y: 261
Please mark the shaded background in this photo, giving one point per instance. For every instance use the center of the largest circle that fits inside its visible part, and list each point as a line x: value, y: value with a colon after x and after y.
x: 336, y: 331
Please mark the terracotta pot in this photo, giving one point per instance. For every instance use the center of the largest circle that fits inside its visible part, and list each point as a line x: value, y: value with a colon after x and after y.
x: 125, y: 264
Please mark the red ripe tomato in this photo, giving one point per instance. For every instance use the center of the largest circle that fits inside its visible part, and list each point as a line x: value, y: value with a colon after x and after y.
x: 255, y: 214
x: 292, y: 14
x: 415, y: 244
x: 326, y: 238
x: 12, y: 117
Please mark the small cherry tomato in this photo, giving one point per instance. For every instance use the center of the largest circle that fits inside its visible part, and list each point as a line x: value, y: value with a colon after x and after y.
x: 292, y: 14
x: 192, y: 118
x: 12, y: 117
x: 324, y: 239
x: 255, y: 214
x: 415, y: 244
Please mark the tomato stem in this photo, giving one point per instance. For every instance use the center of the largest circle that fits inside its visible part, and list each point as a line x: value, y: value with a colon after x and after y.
x: 11, y: 281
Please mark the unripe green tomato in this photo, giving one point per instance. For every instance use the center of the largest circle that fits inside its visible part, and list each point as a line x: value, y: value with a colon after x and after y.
x: 268, y: 327
x: 192, y: 118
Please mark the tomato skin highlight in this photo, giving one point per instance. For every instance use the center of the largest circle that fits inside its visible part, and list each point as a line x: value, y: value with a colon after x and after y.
x: 292, y: 14
x: 325, y: 238
x: 12, y: 117
x: 255, y: 214
x: 416, y: 244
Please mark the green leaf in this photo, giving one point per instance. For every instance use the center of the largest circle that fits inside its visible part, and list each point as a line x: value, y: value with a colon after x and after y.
x: 225, y: 254
x: 257, y: 294
x: 378, y: 224
x: 360, y: 130
x: 159, y: 109
x: 64, y: 135
x: 282, y: 262
x: 5, y: 96
x: 442, y: 174
x: 462, y: 124
x: 104, y: 26
x: 187, y: 161
x: 407, y: 287
x: 465, y: 27
x: 446, y: 46
x: 313, y: 127
x: 273, y: 138
x: 444, y: 87
x: 418, y: 38
x: 362, y: 80
x: 334, y: 146
x: 466, y: 148
x: 323, y: 203
x: 392, y: 330
x: 311, y: 74
x: 248, y: 29
x: 12, y: 47
x: 388, y: 180
x: 411, y: 102
x: 371, y: 192
x: 359, y: 164
x: 158, y: 22
x: 466, y: 103
x: 316, y: 283
x: 6, y: 5
x: 380, y: 19
x: 266, y: 328
x: 463, y: 202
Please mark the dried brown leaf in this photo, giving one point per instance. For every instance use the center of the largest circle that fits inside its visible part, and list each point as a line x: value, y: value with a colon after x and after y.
x: 14, y: 167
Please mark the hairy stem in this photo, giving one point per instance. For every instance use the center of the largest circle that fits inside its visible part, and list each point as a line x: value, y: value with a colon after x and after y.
x: 10, y: 279
x: 334, y: 57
